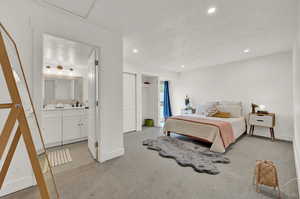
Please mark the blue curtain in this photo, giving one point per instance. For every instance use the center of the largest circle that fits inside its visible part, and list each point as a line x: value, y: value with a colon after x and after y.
x: 167, y: 103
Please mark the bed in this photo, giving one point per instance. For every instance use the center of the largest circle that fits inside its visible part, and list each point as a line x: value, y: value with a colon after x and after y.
x: 207, y: 129
x: 204, y: 131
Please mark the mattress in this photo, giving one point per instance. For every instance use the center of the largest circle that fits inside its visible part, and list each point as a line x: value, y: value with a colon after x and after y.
x: 238, y: 124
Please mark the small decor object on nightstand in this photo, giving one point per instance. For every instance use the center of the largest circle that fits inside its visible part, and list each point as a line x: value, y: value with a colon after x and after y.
x: 187, y: 101
x: 253, y: 107
x: 266, y: 174
x: 188, y: 107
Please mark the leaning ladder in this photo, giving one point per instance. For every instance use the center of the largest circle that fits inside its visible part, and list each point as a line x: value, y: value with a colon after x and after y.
x: 17, y: 113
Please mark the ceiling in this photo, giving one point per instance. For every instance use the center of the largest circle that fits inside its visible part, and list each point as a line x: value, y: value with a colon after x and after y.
x: 80, y: 8
x: 67, y: 53
x: 171, y: 33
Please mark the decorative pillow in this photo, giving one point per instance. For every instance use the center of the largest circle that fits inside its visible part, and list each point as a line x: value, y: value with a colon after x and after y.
x: 222, y: 115
x: 207, y: 109
x: 201, y: 109
x: 211, y: 110
x: 234, y: 110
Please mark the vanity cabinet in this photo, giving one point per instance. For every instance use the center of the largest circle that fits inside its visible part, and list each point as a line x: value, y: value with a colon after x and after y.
x: 84, y: 126
x: 52, y: 128
x: 74, y: 126
x: 64, y: 126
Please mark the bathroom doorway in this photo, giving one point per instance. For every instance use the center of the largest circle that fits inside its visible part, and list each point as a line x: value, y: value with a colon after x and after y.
x: 70, y: 90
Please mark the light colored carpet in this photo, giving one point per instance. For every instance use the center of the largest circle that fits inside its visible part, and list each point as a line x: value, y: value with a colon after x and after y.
x: 142, y: 174
x: 187, y: 154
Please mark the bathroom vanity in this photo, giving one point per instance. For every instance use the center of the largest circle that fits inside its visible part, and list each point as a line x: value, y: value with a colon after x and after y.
x: 64, y: 115
x: 64, y: 125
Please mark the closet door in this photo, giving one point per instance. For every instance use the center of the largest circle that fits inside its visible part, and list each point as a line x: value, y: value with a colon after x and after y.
x: 129, y: 102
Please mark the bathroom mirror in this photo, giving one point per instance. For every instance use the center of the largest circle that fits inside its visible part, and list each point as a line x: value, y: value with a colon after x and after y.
x: 63, y: 90
x: 21, y: 138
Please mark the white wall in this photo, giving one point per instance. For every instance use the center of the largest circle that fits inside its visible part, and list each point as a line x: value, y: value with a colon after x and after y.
x: 28, y: 21
x: 263, y: 80
x: 296, y: 91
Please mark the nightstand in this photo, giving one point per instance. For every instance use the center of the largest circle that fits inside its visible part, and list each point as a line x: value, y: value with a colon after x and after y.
x: 262, y: 120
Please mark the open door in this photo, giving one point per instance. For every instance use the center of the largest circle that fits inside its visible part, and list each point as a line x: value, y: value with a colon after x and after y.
x: 93, y: 103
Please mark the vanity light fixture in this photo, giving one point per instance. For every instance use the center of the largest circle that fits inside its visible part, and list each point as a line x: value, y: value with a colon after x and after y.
x: 135, y: 51
x: 71, y: 72
x: 59, y: 67
x: 182, y: 66
x: 47, y: 70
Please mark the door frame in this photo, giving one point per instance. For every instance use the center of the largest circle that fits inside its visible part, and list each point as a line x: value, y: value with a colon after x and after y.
x: 157, y: 100
x: 37, y: 74
x: 139, y: 100
x: 136, y: 99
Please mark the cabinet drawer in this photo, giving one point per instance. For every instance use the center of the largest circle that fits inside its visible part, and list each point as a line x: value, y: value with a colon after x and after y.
x: 261, y: 120
x: 67, y: 113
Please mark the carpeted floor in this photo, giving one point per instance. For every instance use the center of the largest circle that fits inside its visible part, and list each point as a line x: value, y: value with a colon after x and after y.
x: 143, y: 174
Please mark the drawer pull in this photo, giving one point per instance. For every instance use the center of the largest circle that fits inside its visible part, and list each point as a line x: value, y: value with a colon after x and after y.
x: 259, y: 120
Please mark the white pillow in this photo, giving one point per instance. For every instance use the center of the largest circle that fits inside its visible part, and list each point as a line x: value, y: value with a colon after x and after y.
x: 234, y: 110
x: 201, y: 109
x: 211, y: 110
x: 207, y: 109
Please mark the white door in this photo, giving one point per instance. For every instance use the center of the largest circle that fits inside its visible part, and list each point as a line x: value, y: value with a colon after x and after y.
x: 93, y: 105
x: 129, y: 102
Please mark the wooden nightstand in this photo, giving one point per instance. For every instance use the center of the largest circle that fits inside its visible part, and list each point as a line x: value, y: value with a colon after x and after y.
x: 263, y: 120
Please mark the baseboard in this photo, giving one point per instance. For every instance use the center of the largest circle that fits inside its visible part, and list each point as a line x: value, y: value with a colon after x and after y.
x: 297, y: 155
x: 280, y: 138
x: 92, y: 147
x: 112, y: 154
x: 264, y: 132
x: 17, y: 185
x: 285, y: 138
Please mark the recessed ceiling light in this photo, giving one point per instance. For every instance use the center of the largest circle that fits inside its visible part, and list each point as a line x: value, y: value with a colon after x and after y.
x: 211, y: 10
x: 182, y: 66
x: 247, y: 50
x: 135, y: 50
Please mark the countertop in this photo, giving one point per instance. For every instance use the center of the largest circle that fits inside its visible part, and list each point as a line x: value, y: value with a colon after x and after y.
x: 64, y: 108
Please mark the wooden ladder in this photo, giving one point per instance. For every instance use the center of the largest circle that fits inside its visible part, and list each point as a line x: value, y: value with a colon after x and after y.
x: 17, y: 113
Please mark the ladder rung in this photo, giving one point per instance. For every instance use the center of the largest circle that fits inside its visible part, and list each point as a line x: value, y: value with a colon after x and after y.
x: 6, y: 106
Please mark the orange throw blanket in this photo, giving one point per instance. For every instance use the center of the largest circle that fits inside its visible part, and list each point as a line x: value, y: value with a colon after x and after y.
x: 225, y: 128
